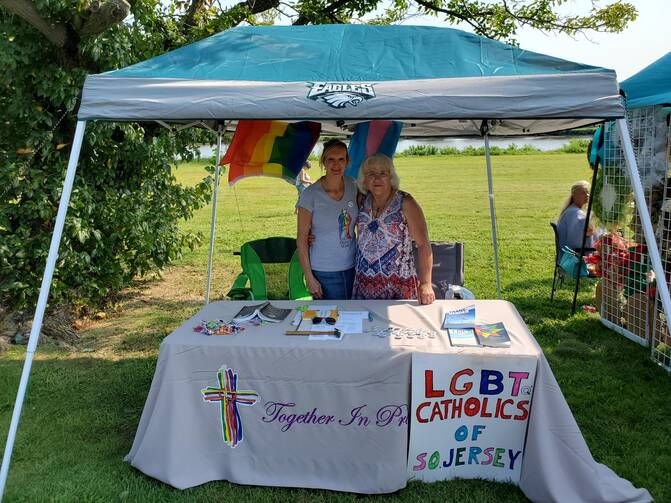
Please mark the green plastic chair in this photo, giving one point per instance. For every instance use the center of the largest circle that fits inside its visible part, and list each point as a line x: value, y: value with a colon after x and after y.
x: 251, y: 282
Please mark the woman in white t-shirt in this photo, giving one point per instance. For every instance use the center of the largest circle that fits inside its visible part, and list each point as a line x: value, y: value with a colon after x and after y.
x: 328, y: 210
x: 303, y: 180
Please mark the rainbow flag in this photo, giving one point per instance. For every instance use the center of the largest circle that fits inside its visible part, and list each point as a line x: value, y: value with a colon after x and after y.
x: 270, y: 148
x: 372, y: 138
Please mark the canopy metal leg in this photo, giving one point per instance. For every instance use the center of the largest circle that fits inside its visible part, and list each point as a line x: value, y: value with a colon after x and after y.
x: 42, y: 301
x: 492, y: 214
x: 584, y: 238
x: 639, y: 196
x: 213, y: 221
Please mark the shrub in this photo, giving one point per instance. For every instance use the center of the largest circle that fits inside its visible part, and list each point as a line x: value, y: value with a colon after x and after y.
x: 575, y: 146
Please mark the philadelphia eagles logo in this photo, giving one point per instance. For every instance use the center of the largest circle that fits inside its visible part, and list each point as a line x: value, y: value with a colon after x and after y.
x: 340, y: 94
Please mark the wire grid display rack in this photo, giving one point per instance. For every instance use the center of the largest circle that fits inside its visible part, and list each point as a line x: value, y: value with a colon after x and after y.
x: 629, y: 302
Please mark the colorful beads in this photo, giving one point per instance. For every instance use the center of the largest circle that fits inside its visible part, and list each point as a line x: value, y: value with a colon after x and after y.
x: 218, y: 327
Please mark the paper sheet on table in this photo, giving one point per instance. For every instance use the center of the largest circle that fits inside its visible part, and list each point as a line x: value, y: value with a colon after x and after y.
x: 351, y: 322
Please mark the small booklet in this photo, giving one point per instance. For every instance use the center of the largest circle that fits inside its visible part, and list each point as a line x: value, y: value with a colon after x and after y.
x: 462, y: 337
x: 460, y: 318
x: 492, y: 335
x: 265, y: 312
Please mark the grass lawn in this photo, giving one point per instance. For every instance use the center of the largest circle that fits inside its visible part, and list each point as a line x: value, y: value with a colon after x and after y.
x: 84, y: 403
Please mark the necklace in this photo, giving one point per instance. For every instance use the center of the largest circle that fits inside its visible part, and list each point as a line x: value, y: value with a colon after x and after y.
x: 378, y: 210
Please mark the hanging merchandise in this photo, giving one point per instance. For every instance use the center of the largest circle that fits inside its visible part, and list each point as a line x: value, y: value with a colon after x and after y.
x: 651, y: 148
x: 611, y: 198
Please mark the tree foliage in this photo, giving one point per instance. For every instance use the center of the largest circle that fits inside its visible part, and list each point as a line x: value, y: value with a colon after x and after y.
x: 126, y: 205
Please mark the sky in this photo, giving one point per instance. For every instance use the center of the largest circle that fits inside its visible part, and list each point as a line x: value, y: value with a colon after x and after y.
x: 644, y: 41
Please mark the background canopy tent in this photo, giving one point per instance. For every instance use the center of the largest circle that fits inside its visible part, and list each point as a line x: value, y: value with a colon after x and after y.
x: 437, y: 81
x: 651, y: 86
x: 629, y: 305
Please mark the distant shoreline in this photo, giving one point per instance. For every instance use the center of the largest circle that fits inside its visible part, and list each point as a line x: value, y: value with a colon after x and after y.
x: 524, y: 145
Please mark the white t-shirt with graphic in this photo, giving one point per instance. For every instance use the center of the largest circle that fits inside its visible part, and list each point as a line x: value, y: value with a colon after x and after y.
x: 333, y: 224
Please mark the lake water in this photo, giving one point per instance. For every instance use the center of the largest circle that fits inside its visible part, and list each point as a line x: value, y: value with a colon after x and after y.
x: 540, y: 142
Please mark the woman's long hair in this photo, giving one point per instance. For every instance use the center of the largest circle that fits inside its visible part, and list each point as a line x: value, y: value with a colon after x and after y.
x: 582, y: 184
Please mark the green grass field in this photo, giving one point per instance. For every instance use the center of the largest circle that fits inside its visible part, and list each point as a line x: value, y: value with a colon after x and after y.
x: 84, y: 403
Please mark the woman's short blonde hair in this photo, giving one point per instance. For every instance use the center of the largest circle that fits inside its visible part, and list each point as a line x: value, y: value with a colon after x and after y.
x: 377, y: 161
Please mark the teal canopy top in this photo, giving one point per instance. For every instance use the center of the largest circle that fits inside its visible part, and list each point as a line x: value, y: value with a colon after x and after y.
x: 347, y: 53
x: 650, y: 86
x: 437, y: 81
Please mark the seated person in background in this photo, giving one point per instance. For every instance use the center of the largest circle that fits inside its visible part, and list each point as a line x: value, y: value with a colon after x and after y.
x: 389, y: 220
x: 571, y: 221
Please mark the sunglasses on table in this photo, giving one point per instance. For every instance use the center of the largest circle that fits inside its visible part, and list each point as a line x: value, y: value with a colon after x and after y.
x: 328, y: 320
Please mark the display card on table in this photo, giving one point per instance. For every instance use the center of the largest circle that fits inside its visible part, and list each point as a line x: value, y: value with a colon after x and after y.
x: 460, y: 318
x: 492, y: 335
x: 462, y: 337
x: 469, y: 416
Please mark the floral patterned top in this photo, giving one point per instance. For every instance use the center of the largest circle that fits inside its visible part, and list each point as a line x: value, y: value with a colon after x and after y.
x: 385, y: 265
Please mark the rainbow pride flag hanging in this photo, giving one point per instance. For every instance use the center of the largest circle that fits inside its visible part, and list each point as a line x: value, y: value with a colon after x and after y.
x: 374, y: 137
x: 270, y: 148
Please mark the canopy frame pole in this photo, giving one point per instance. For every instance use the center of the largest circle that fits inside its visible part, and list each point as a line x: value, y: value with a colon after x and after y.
x: 492, y: 211
x: 584, y: 238
x: 42, y: 300
x: 641, y: 205
x: 213, y: 220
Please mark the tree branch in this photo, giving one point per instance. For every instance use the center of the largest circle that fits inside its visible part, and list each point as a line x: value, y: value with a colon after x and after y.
x: 103, y: 16
x: 56, y: 34
x: 455, y: 14
x: 100, y: 15
x: 328, y: 12
x: 194, y: 7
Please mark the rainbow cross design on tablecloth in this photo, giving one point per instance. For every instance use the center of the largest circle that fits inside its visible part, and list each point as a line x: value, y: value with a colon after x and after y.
x: 229, y: 398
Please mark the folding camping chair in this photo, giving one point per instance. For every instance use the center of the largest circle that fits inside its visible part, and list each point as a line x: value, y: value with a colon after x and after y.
x: 251, y: 282
x: 448, y: 266
x: 560, y: 272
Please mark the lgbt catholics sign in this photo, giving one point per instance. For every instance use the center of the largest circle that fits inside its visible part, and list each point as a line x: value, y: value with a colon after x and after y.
x: 469, y: 416
x: 270, y: 148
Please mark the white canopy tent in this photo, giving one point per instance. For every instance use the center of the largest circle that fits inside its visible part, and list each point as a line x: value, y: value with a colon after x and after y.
x: 438, y: 82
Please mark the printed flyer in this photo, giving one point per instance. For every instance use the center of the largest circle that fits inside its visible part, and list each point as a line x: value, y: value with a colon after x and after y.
x: 469, y: 416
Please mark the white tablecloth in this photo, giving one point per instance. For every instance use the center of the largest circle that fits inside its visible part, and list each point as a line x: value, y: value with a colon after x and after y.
x: 333, y: 415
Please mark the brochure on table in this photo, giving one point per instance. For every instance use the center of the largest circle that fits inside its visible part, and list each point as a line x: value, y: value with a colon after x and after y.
x: 347, y: 322
x: 464, y: 331
x: 469, y: 416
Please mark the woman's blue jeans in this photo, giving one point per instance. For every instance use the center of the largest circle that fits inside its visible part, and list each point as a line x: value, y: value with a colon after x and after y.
x: 336, y: 285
